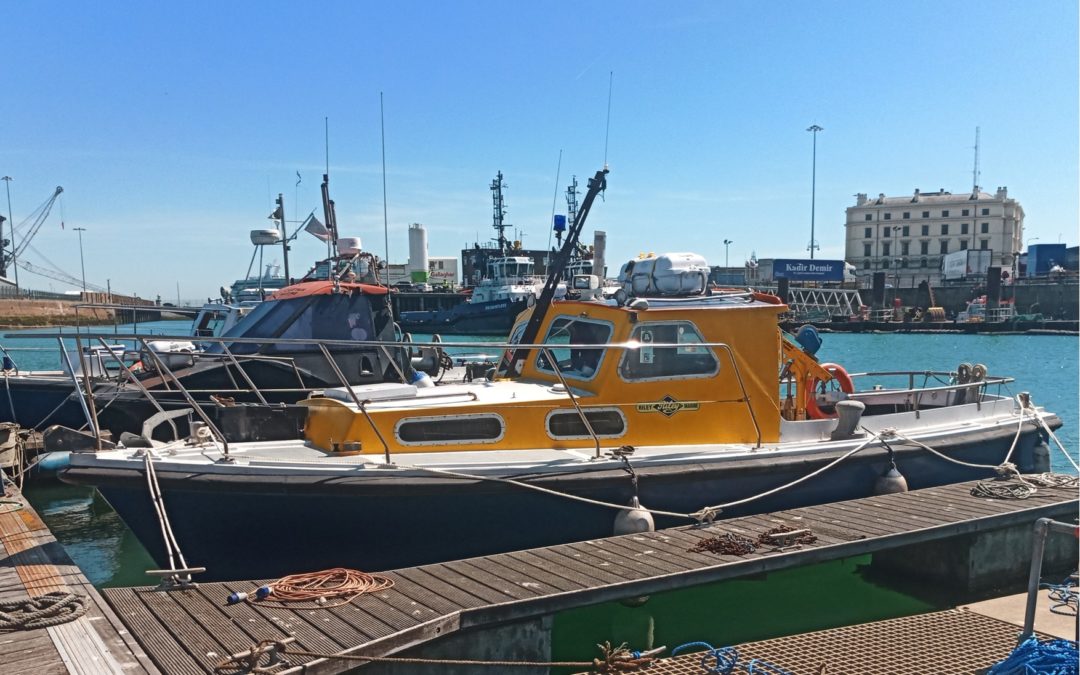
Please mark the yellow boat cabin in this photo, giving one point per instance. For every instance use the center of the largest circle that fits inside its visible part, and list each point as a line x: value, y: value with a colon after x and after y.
x: 698, y: 370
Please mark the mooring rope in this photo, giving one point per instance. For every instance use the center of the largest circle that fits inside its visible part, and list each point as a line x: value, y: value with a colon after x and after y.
x: 613, y: 660
x: 724, y: 661
x: 1064, y: 596
x: 51, y: 609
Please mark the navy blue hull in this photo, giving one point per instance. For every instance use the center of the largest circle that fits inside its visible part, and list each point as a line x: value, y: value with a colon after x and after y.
x: 253, y: 527
x: 469, y: 318
x: 40, y: 404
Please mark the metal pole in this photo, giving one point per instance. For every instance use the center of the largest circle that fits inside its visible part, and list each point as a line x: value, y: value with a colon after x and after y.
x: 813, y: 188
x: 727, y: 242
x: 82, y: 264
x: 11, y: 223
x: 1043, y: 527
x: 284, y: 236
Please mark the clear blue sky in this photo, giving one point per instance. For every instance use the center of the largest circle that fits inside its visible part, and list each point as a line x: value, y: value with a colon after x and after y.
x: 170, y: 125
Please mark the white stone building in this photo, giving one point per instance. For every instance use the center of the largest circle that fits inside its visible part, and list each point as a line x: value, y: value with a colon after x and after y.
x: 906, y: 236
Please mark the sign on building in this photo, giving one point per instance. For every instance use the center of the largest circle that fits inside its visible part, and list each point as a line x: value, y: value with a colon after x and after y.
x: 808, y: 270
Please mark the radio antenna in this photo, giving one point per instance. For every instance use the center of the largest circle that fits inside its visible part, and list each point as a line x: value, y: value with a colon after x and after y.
x: 554, y: 198
x: 386, y: 227
x: 607, y: 127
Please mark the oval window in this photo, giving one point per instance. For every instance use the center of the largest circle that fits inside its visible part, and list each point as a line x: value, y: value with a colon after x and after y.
x: 446, y: 430
x: 606, y: 423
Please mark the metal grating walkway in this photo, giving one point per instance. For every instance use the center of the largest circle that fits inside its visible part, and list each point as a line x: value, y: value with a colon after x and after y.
x: 952, y: 641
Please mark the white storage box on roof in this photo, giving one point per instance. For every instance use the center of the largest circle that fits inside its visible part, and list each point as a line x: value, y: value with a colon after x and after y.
x: 665, y: 274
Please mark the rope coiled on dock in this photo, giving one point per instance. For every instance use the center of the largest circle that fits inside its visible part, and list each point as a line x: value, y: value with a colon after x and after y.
x: 1053, y: 657
x: 51, y: 609
x: 339, y: 583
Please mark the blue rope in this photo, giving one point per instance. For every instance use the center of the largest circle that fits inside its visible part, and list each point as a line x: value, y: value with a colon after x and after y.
x: 1063, y: 596
x: 1053, y: 657
x: 724, y: 660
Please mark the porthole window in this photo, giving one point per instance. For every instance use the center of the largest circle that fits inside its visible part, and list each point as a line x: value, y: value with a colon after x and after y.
x: 647, y: 362
x: 450, y: 430
x: 576, y: 363
x: 567, y: 424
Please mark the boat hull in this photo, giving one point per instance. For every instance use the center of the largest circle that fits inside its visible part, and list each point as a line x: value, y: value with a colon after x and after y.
x: 244, y: 526
x: 469, y: 318
x: 36, y: 403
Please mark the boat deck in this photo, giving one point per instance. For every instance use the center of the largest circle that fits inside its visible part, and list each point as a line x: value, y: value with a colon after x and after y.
x: 189, y: 632
x: 32, y: 564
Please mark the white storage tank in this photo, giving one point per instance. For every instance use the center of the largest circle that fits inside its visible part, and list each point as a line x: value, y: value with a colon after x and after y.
x: 599, y: 253
x: 418, y: 253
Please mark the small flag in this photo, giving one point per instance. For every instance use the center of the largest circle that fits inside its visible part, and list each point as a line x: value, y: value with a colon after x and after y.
x: 298, y: 179
x: 313, y: 227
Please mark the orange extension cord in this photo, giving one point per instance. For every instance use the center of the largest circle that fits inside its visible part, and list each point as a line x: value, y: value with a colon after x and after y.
x: 319, y: 587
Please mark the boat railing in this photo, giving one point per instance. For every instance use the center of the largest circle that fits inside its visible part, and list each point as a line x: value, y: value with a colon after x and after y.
x: 947, y: 383
x: 326, y: 348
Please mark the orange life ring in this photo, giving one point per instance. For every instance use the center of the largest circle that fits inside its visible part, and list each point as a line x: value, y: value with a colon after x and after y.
x: 813, y: 411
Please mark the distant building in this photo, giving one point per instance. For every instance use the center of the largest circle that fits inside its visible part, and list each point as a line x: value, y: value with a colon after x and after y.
x: 907, y: 236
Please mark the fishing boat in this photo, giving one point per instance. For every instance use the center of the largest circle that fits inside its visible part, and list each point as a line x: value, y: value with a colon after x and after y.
x: 692, y: 405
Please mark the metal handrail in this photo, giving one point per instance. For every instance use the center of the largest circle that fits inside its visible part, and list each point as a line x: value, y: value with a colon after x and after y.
x: 385, y: 346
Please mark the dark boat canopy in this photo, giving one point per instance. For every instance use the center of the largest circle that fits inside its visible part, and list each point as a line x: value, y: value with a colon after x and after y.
x: 352, y: 315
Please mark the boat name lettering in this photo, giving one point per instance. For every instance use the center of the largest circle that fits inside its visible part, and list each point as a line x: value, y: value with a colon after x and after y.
x: 667, y: 406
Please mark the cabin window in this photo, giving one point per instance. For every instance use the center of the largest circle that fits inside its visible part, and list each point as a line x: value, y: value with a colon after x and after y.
x: 580, y: 364
x: 450, y: 430
x: 660, y: 363
x: 606, y: 423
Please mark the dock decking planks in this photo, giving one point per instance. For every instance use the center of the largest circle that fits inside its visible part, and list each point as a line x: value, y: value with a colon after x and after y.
x: 33, y: 563
x: 433, y: 600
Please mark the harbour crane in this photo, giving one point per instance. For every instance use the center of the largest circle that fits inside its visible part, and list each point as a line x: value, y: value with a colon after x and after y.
x: 26, y: 230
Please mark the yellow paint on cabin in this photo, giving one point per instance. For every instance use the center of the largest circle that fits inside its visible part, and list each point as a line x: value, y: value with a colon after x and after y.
x: 687, y: 410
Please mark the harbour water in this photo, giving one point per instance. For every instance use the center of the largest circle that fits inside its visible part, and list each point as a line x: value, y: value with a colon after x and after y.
x: 748, y: 609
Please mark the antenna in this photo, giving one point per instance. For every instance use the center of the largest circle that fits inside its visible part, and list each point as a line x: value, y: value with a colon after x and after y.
x: 326, y: 144
x: 499, y: 210
x: 975, y: 172
x: 571, y: 202
x: 386, y: 227
x: 554, y: 198
x: 607, y: 127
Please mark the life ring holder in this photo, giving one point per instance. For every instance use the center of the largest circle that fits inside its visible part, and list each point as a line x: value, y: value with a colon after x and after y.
x: 813, y: 410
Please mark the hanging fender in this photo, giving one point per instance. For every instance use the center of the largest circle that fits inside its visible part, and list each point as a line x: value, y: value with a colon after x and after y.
x: 813, y: 410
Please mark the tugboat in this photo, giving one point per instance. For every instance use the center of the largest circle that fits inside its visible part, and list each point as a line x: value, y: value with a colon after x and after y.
x: 688, y: 403
x: 507, y: 287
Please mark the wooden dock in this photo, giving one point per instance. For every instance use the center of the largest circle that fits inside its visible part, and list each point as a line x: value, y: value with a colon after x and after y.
x: 32, y: 564
x: 189, y: 632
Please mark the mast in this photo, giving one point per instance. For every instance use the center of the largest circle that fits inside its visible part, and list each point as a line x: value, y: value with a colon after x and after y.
x: 499, y: 212
x: 571, y: 202
x: 597, y: 184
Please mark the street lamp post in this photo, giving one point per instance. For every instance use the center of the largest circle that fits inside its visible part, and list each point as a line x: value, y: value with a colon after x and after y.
x: 727, y: 242
x: 11, y: 224
x: 82, y: 264
x: 813, y: 189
